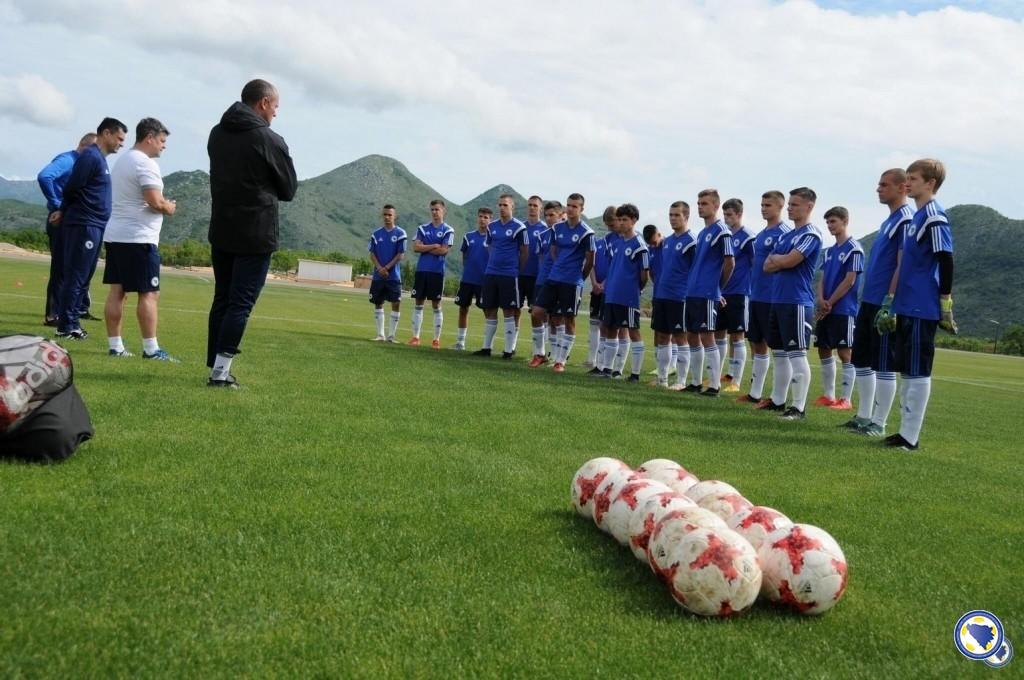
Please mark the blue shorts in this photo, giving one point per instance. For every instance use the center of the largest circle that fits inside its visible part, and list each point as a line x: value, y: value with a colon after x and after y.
x: 620, y: 316
x: 759, y: 321
x: 501, y: 291
x: 668, y: 316
x: 596, y: 306
x: 734, y: 317
x: 560, y: 299
x: 835, y: 331
x: 428, y: 286
x: 382, y: 291
x: 790, y: 327
x: 701, y: 315
x: 914, y: 345
x: 871, y: 348
x: 529, y: 292
x: 467, y: 292
x: 133, y: 266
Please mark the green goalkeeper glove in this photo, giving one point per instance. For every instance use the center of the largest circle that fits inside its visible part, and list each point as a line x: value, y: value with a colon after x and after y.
x: 885, y: 320
x: 947, y: 323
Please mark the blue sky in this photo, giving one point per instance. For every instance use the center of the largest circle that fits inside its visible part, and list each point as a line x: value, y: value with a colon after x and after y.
x: 646, y: 102
x: 1011, y: 9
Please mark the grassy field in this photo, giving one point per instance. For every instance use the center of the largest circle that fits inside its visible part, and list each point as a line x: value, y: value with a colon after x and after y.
x: 362, y: 510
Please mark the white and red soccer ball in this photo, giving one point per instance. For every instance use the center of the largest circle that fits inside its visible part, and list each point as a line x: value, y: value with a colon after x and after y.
x: 642, y: 524
x: 708, y: 487
x: 756, y: 522
x: 588, y: 478
x: 629, y: 500
x: 668, y: 472
x: 671, y: 529
x: 804, y: 568
x: 724, y: 504
x: 713, y: 572
x: 606, y: 492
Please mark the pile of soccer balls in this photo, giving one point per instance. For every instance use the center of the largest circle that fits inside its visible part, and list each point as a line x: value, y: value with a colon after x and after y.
x: 713, y: 548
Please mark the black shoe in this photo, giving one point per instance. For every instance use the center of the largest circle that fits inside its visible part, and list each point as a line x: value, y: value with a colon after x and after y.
x: 709, y: 392
x: 507, y: 355
x: 485, y: 352
x: 605, y: 374
x: 633, y: 377
x: 228, y: 383
x: 89, y: 317
x: 51, y: 322
x: 616, y: 375
x: 76, y: 334
x: 793, y: 413
x: 897, y: 441
x: 691, y: 388
x: 594, y: 371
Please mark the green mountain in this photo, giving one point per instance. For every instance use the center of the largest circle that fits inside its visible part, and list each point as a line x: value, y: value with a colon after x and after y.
x: 16, y: 215
x: 21, y: 190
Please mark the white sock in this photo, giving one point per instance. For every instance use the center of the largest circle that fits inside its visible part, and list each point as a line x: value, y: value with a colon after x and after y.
x: 849, y: 376
x: 221, y: 366
x: 538, y: 341
x: 461, y: 336
x: 510, y: 334
x: 739, y: 361
x: 566, y: 347
x: 438, y: 323
x: 490, y: 330
x: 828, y: 377
x: 682, y: 363
x: 696, y: 364
x: 801, y: 377
x: 116, y: 343
x: 885, y: 395
x: 547, y: 337
x: 915, y: 403
x: 378, y: 317
x: 621, y: 352
x: 150, y: 345
x: 663, y: 357
x: 637, y: 349
x: 781, y: 377
x: 395, y: 316
x: 722, y: 349
x: 417, y: 320
x: 673, y: 364
x: 758, y: 374
x: 609, y: 348
x: 593, y: 342
x: 866, y: 389
x: 558, y: 345
x: 714, y: 363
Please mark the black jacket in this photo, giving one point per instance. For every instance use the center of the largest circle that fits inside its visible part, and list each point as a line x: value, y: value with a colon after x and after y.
x: 250, y: 171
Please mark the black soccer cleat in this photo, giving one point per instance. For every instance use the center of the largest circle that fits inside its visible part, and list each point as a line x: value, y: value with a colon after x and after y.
x: 793, y: 413
x: 616, y: 375
x: 896, y: 441
x: 507, y: 355
x: 228, y: 383
x: 485, y: 352
x: 692, y: 388
x: 709, y: 392
x: 633, y: 377
x: 594, y: 371
x: 76, y: 334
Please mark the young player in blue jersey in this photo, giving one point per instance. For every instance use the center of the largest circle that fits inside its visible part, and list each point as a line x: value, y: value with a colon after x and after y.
x: 761, y: 300
x: 528, y: 276
x: 668, y: 317
x: 508, y: 247
x: 654, y: 239
x: 474, y: 262
x: 735, y: 316
x: 540, y: 245
x: 572, y: 258
x: 793, y: 261
x: 873, y: 352
x: 598, y: 277
x: 433, y: 242
x: 713, y: 263
x: 386, y: 248
x: 628, y: 273
x: 923, y: 300
x: 837, y: 308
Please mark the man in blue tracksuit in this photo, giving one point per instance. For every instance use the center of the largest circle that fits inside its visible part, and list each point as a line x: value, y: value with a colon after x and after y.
x: 51, y: 180
x: 83, y: 214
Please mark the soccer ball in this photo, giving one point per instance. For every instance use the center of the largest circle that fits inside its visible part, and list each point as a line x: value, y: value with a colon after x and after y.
x: 713, y: 572
x: 587, y: 479
x: 627, y: 502
x: 606, y: 492
x: 675, y: 476
x: 671, y: 528
x: 756, y: 522
x: 32, y: 370
x: 709, y: 486
x: 655, y: 465
x: 643, y: 521
x: 804, y: 568
x: 724, y: 504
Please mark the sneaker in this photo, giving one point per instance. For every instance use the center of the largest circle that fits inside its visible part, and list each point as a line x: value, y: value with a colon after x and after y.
x: 392, y: 340
x: 692, y: 388
x: 508, y: 355
x: 413, y: 342
x: 709, y: 392
x: 51, y: 322
x: 76, y: 334
x: 228, y: 383
x: 89, y: 317
x: 872, y: 430
x: 747, y: 399
x: 793, y: 413
x: 485, y: 352
x: 122, y: 353
x: 769, y: 405
x: 616, y: 375
x: 538, y: 360
x: 594, y: 371
x: 824, y: 401
x: 459, y: 346
x: 559, y: 368
x: 161, y: 355
x: 841, y: 405
x: 605, y: 374
x: 856, y: 423
x: 379, y: 338
x: 732, y: 387
x: 633, y: 377
x: 678, y: 387
x: 897, y: 441
x: 436, y: 344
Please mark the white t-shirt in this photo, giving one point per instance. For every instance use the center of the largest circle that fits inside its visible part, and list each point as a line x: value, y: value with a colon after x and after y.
x: 131, y: 220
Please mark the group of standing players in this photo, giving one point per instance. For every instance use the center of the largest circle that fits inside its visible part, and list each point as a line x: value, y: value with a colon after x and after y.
x: 713, y: 290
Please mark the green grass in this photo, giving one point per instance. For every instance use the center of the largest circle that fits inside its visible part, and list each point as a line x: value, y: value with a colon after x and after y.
x: 362, y: 510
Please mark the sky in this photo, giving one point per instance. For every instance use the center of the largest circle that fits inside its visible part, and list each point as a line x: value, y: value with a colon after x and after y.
x: 647, y: 102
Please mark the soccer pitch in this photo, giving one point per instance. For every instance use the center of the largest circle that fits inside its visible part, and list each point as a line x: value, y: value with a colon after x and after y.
x: 369, y: 510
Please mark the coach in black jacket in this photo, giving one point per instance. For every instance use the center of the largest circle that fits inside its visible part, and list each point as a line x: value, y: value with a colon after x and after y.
x: 250, y: 171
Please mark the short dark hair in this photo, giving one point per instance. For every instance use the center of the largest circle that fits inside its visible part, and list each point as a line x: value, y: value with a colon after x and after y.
x: 649, y: 231
x: 552, y: 205
x: 774, y: 194
x: 838, y: 211
x: 111, y: 124
x: 899, y: 174
x: 733, y: 204
x: 576, y: 197
x: 628, y: 210
x: 484, y: 211
x: 535, y: 196
x: 804, y: 193
x: 438, y: 201
x: 387, y: 206
x: 255, y: 90
x: 87, y: 138
x: 608, y: 213
x: 681, y: 204
x: 149, y: 126
x: 509, y: 197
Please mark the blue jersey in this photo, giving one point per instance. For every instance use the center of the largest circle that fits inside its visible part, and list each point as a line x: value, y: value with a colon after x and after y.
x: 603, y: 256
x: 795, y: 286
x: 883, y: 257
x: 838, y: 261
x: 713, y: 246
x: 743, y: 252
x: 430, y: 235
x: 385, y: 244
x: 917, y: 290
x: 764, y: 244
x: 474, y: 257
x: 88, y: 193
x: 676, y: 261
x: 655, y: 257
x: 628, y: 259
x: 572, y: 245
x: 503, y: 241
x: 540, y: 247
x: 54, y: 176
x: 532, y: 266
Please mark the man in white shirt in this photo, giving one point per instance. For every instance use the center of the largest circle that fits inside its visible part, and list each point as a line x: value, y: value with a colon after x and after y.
x: 132, y: 238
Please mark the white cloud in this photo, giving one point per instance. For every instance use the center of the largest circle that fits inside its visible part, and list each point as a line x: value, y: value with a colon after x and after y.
x: 33, y: 99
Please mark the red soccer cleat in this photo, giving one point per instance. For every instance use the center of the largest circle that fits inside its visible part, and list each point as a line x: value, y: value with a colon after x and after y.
x: 559, y: 368
x: 841, y: 405
x: 824, y: 401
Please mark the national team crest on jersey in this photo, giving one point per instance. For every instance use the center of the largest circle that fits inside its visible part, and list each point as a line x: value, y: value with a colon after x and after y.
x: 707, y: 237
x: 911, y: 230
x: 679, y: 246
x: 629, y: 251
x: 394, y: 239
x: 575, y: 238
x: 508, y: 232
x: 768, y: 241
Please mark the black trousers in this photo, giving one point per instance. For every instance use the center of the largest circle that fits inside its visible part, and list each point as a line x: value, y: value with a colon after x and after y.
x: 238, y: 280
